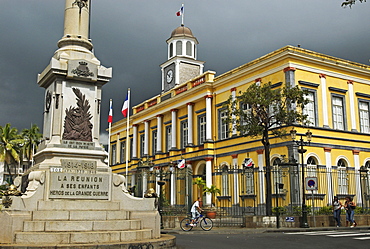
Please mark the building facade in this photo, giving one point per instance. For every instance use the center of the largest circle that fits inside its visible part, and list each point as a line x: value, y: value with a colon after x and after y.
x: 185, y: 121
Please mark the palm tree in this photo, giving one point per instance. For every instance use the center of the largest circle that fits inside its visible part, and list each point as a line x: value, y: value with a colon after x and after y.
x: 10, y: 146
x: 32, y: 138
x: 200, y: 184
x: 213, y: 190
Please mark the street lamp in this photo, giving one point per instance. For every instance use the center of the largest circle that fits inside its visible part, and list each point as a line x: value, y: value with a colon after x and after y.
x: 162, y: 172
x: 301, y: 150
x: 142, y: 169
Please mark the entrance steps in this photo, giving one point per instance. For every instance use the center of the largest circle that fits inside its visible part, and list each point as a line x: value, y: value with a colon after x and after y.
x: 80, y: 222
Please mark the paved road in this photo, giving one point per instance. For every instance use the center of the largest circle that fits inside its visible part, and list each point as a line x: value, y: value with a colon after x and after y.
x: 283, y: 240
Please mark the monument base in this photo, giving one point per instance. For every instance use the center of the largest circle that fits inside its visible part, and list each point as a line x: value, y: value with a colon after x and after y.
x: 100, y: 212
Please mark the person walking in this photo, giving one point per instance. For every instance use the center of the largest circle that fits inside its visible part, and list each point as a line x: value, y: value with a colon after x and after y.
x: 350, y: 206
x: 337, y: 208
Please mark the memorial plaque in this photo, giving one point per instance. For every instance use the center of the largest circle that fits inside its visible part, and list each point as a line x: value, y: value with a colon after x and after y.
x: 78, y: 144
x: 79, y: 186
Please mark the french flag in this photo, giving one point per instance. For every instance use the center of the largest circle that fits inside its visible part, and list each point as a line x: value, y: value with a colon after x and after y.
x: 110, y: 116
x: 180, y: 12
x: 125, y: 107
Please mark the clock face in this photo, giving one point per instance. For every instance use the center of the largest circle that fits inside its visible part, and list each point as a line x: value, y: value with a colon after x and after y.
x: 169, y: 76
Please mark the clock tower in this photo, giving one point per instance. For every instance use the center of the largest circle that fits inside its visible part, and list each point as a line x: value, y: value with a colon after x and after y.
x: 182, y: 64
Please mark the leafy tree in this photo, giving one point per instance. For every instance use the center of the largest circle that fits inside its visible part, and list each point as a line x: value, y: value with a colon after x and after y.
x: 200, y: 184
x: 32, y: 138
x: 351, y: 2
x: 10, y: 147
x: 213, y: 190
x: 260, y: 112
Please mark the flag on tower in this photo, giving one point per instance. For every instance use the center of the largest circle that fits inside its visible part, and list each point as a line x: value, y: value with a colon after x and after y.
x: 110, y: 116
x: 180, y: 12
x: 125, y: 107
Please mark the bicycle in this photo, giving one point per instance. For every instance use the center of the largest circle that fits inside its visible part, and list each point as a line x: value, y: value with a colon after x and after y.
x: 205, y: 223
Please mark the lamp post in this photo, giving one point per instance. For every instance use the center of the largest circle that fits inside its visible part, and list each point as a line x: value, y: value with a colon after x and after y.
x: 363, y: 180
x: 301, y: 150
x: 143, y: 167
x: 161, y: 173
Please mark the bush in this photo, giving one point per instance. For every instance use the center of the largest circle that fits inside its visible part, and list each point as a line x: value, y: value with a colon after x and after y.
x: 282, y: 210
x: 297, y: 210
x: 325, y: 211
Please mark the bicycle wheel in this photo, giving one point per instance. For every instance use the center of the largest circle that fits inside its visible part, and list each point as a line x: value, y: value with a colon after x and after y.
x: 206, y: 224
x: 185, y: 224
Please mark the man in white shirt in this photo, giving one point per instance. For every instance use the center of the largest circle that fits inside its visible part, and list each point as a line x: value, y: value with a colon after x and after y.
x: 195, y: 211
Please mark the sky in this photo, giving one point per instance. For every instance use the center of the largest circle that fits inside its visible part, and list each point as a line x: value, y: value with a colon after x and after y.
x: 130, y: 36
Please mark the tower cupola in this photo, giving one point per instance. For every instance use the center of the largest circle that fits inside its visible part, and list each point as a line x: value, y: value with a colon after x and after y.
x: 182, y: 43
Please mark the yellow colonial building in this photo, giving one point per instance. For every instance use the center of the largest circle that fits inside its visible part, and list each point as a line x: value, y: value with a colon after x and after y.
x: 185, y: 122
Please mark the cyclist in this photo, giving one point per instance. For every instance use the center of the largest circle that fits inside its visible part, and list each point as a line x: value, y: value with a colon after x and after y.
x: 195, y: 211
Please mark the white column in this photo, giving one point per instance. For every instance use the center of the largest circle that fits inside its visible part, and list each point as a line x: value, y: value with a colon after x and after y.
x: 145, y: 183
x: 159, y: 133
x: 208, y: 179
x: 329, y: 173
x: 157, y: 186
x: 351, y: 95
x: 118, y: 150
x: 133, y: 181
x: 236, y: 179
x: 134, y: 141
x: 233, y: 117
x: 209, y: 118
x: 173, y: 188
x: 146, y: 137
x: 261, y: 176
x: 190, y: 123
x: 174, y: 128
x: 356, y: 159
x: 324, y: 100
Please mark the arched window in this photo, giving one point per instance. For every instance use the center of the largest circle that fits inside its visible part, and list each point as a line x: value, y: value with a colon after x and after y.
x: 188, y: 48
x: 225, y: 180
x: 178, y: 48
x: 171, y: 50
x: 311, y: 167
x: 342, y: 177
x: 276, y: 174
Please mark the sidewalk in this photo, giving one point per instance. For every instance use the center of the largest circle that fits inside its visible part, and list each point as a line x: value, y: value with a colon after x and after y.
x: 239, y: 230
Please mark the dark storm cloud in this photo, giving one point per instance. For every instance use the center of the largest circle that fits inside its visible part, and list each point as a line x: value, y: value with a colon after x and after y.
x: 130, y: 35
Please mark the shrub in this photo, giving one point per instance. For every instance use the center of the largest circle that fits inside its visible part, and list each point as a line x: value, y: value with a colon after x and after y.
x: 282, y: 210
x: 325, y: 210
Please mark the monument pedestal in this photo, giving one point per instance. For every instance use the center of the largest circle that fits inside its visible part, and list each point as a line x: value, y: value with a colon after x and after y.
x: 40, y: 219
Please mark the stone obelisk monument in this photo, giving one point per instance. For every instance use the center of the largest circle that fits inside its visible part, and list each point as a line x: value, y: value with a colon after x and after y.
x: 72, y: 197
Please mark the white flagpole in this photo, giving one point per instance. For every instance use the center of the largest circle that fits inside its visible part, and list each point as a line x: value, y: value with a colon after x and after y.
x: 109, y: 131
x: 182, y: 16
x: 127, y: 132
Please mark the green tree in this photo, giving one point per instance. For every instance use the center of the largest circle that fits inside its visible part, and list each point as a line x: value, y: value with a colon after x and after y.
x: 32, y: 138
x: 260, y: 112
x: 351, y: 2
x: 200, y: 184
x: 213, y: 190
x: 10, y: 147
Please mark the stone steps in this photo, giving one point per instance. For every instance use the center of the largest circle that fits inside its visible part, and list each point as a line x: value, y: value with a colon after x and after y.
x: 86, y: 225
x: 80, y: 215
x: 76, y: 205
x: 80, y: 222
x: 57, y: 238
